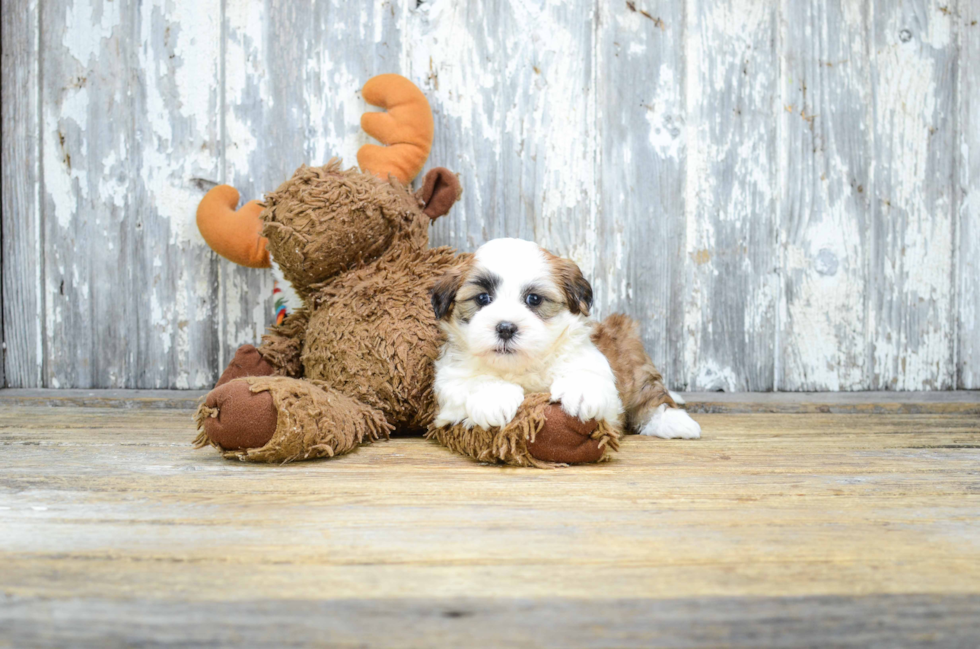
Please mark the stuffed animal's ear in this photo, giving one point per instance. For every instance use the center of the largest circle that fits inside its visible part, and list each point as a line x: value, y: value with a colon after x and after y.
x: 444, y: 293
x: 577, y: 290
x: 440, y: 189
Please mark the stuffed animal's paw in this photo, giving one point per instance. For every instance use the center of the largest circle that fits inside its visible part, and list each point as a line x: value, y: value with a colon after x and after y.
x: 565, y: 439
x: 238, y: 418
x: 494, y: 404
x: 585, y: 397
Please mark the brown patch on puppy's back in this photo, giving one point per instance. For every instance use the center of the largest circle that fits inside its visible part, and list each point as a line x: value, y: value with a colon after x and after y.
x: 640, y: 385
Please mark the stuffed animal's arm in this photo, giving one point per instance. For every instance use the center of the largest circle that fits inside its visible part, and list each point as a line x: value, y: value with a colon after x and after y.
x: 540, y: 434
x: 282, y: 346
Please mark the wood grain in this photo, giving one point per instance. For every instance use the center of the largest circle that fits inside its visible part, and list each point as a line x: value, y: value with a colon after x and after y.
x: 129, y: 103
x: 730, y: 197
x: 886, y: 402
x: 824, y: 196
x: 642, y: 133
x: 967, y: 152
x: 858, y: 622
x: 155, y: 399
x: 511, y: 85
x: 911, y: 262
x: 20, y: 236
x: 109, y: 517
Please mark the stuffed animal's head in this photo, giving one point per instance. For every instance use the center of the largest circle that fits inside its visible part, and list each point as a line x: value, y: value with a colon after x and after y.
x: 326, y: 220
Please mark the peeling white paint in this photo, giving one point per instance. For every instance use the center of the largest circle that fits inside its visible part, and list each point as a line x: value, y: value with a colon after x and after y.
x: 666, y: 126
x: 88, y: 24
x: 244, y: 53
x: 65, y: 184
x: 711, y: 377
x: 181, y: 85
x: 502, y: 95
x: 693, y: 179
x: 967, y: 351
x: 824, y: 186
x: 912, y: 327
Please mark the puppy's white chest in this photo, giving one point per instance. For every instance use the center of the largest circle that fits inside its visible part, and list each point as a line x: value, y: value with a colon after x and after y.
x: 534, y: 381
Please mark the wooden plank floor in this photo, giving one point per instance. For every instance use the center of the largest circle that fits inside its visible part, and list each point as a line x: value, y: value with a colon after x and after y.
x: 775, y: 529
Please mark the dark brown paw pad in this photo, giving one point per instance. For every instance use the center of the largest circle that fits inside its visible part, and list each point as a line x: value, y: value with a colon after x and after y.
x: 239, y: 418
x: 565, y: 439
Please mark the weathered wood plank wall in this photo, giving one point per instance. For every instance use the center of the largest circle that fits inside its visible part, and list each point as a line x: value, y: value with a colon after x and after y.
x: 782, y: 191
x: 20, y: 258
x: 825, y: 183
x: 967, y: 198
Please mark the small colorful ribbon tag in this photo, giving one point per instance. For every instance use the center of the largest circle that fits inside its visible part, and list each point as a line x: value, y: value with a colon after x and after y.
x: 284, y: 298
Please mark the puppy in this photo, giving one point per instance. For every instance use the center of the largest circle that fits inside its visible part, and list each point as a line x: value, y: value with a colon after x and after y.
x: 516, y: 321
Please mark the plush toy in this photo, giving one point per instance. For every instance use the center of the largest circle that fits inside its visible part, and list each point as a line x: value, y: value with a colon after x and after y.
x: 355, y: 362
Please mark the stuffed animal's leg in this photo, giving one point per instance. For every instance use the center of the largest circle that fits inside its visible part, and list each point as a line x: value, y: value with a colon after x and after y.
x: 282, y: 346
x: 650, y: 410
x: 247, y: 362
x: 280, y: 419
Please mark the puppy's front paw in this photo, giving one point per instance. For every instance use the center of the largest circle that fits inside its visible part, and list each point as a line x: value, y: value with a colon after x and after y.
x: 587, y: 397
x: 494, y: 404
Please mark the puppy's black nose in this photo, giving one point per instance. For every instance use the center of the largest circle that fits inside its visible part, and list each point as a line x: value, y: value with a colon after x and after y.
x: 506, y: 330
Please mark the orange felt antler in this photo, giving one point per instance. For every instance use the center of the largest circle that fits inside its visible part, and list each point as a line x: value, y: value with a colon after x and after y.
x: 406, y: 128
x: 233, y: 235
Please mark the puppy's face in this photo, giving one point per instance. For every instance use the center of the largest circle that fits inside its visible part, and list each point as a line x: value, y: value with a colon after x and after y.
x: 511, y: 302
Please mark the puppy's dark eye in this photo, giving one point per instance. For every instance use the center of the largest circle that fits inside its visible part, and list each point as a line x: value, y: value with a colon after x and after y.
x: 533, y: 299
x: 483, y: 299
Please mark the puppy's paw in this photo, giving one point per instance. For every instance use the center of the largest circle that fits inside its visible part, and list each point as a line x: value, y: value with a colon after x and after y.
x: 494, y: 404
x: 671, y: 423
x: 587, y: 397
x: 449, y: 415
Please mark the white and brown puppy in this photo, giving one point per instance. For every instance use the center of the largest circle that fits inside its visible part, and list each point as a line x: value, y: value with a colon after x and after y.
x: 516, y: 322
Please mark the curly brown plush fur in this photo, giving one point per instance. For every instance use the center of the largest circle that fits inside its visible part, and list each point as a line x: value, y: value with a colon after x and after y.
x: 365, y: 213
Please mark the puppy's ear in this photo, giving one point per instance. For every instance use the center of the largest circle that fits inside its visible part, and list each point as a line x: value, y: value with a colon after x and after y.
x: 577, y: 290
x: 443, y: 294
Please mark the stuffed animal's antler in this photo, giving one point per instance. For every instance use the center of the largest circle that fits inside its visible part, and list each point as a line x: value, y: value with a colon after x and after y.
x: 233, y: 235
x: 406, y: 128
